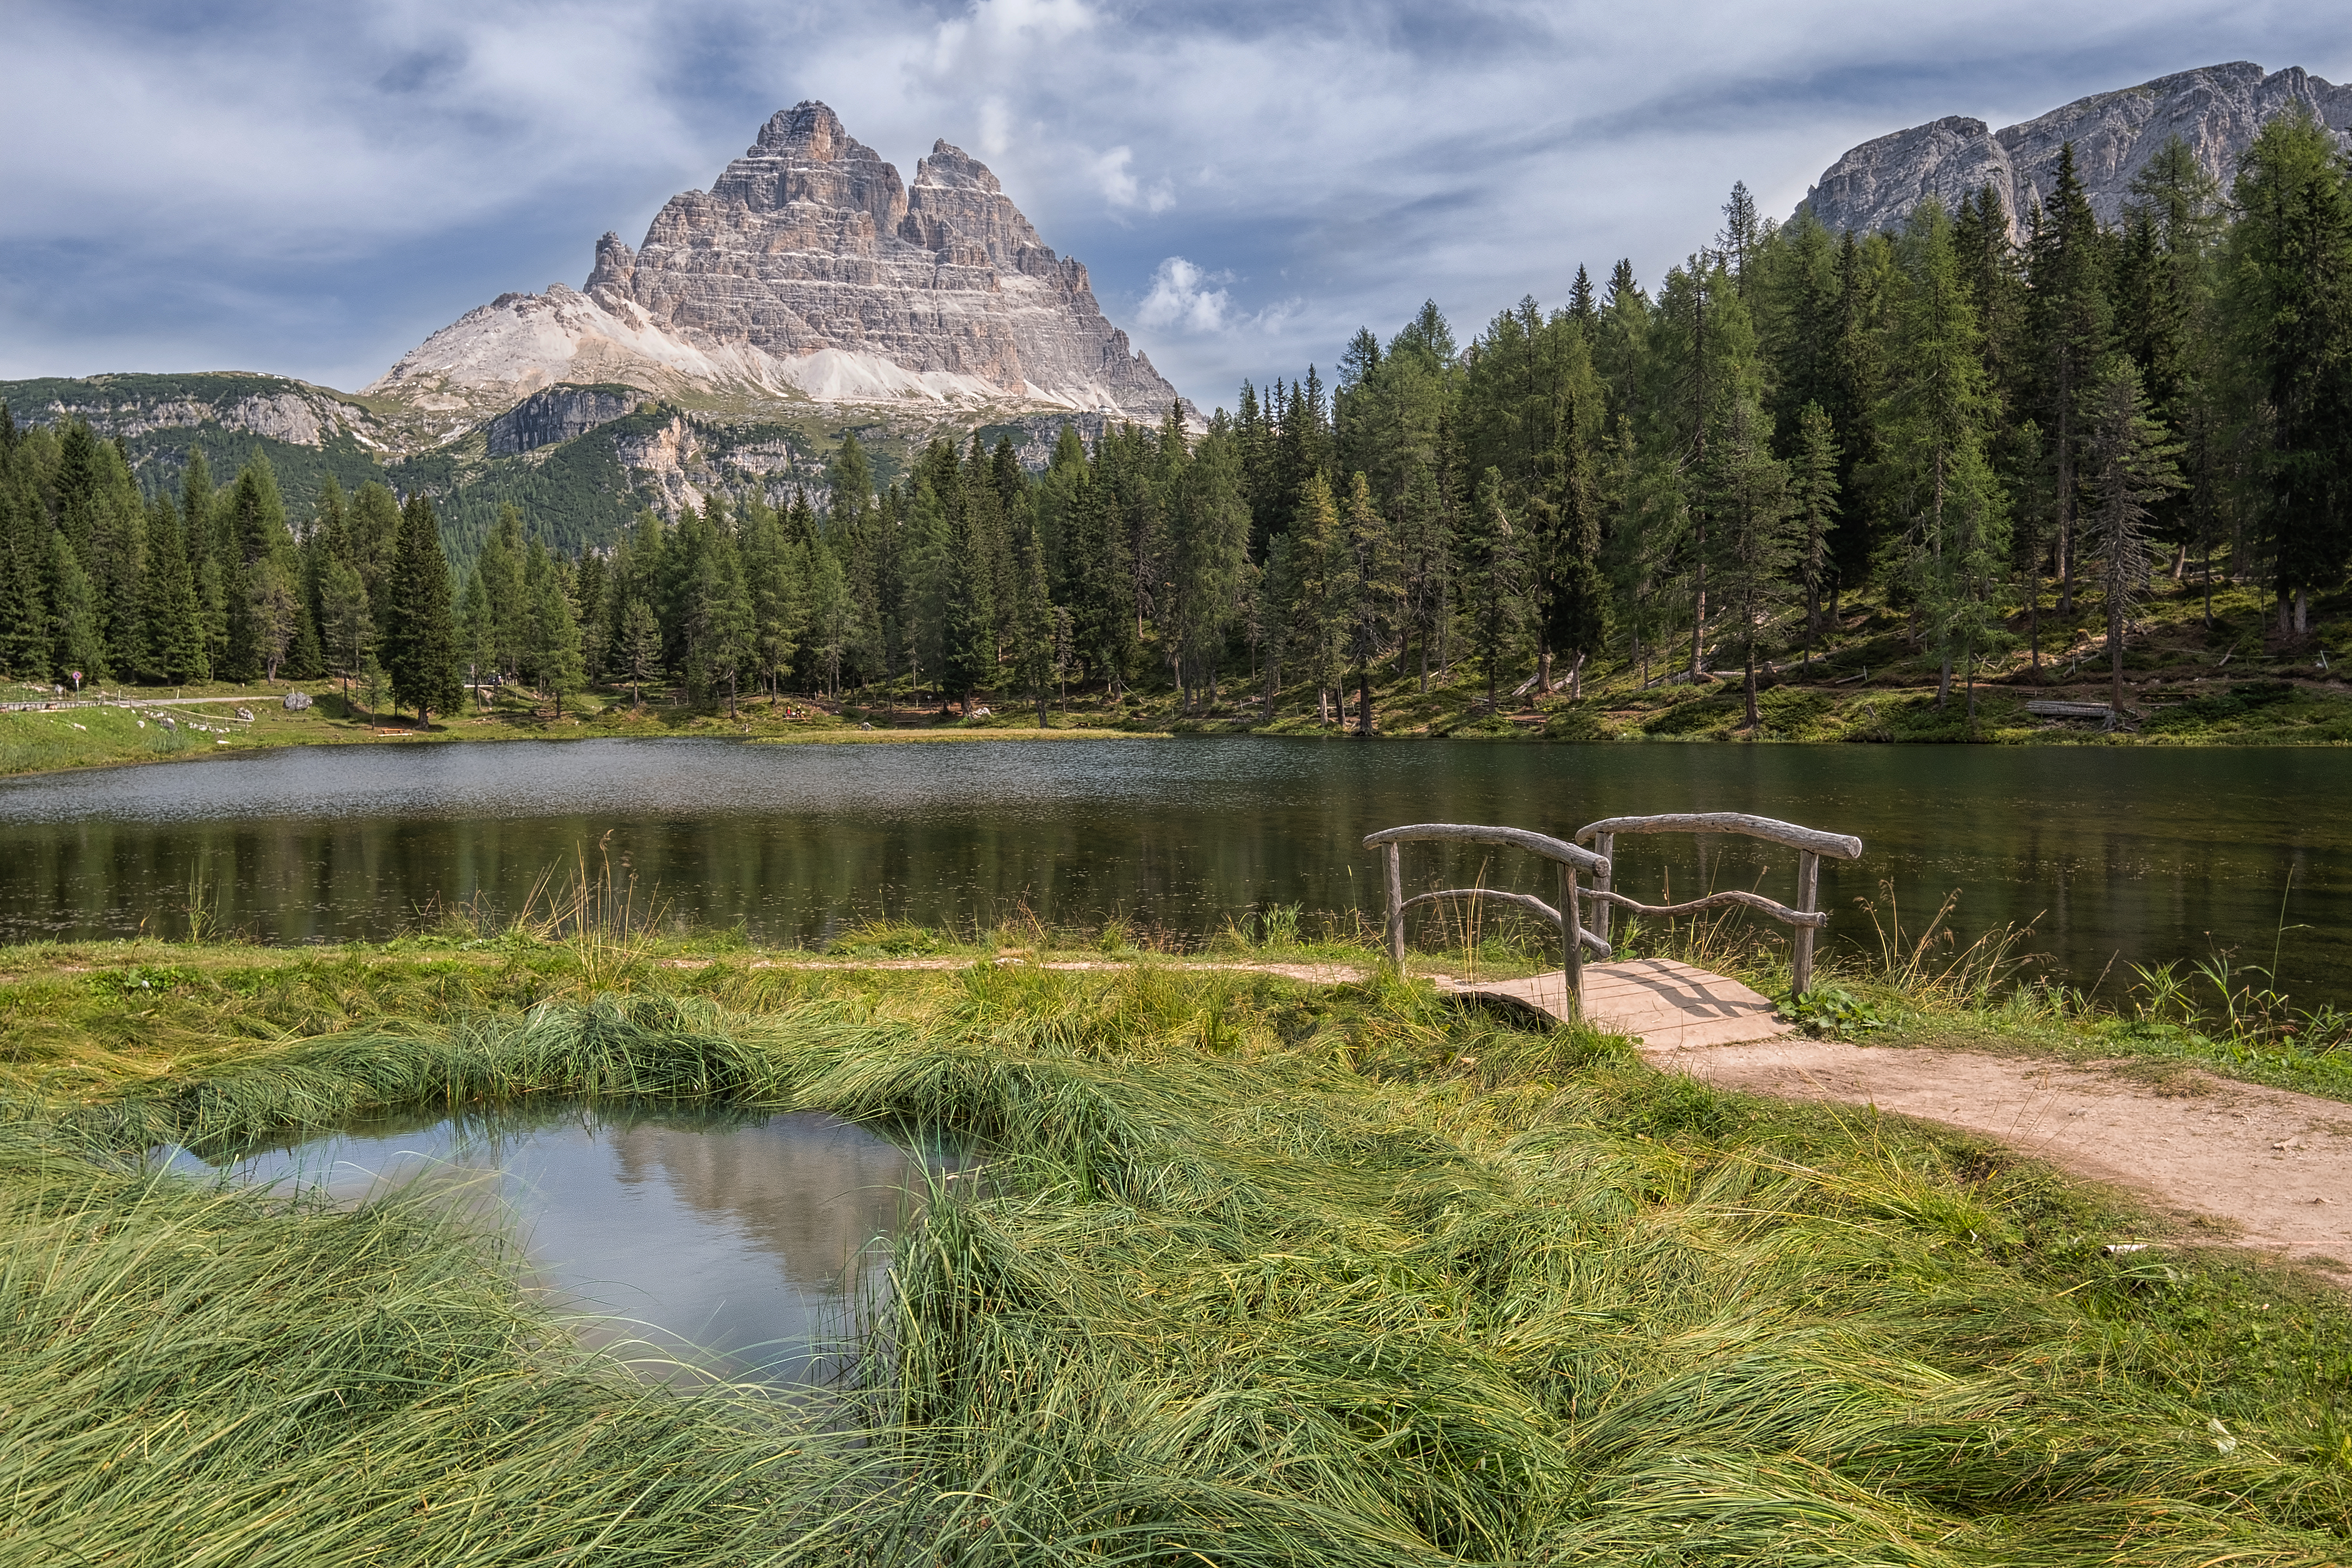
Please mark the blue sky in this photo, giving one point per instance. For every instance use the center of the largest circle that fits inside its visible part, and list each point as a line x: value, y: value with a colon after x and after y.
x: 311, y: 189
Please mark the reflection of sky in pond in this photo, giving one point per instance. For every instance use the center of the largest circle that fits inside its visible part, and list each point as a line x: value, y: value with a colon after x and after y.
x: 2115, y: 856
x: 736, y: 1245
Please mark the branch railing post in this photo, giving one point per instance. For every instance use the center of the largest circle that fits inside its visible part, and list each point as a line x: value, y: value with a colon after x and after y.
x: 1604, y: 881
x: 1571, y: 943
x: 1808, y: 894
x: 1392, y: 857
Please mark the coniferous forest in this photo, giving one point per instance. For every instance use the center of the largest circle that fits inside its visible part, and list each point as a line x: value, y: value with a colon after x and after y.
x: 1983, y: 441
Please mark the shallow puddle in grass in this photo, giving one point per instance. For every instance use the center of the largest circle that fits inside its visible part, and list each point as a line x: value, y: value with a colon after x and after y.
x: 696, y: 1245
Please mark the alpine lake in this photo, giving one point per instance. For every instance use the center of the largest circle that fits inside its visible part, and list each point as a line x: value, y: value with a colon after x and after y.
x: 743, y: 1247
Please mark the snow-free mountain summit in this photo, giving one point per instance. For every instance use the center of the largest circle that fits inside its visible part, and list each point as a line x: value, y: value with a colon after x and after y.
x: 807, y: 269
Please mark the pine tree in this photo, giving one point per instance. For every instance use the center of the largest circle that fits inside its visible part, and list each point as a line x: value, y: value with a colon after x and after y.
x: 638, y: 648
x: 1757, y: 536
x: 1035, y: 625
x: 274, y: 611
x: 258, y: 573
x: 1933, y: 428
x: 174, y: 627
x: 1492, y: 560
x: 419, y: 636
x: 25, y: 640
x: 1375, y: 593
x: 73, y: 614
x: 2130, y: 467
x: 2069, y: 319
x: 200, y: 524
x: 1813, y: 488
x: 348, y: 631
x: 2291, y: 303
x: 561, y: 672
x: 1321, y: 559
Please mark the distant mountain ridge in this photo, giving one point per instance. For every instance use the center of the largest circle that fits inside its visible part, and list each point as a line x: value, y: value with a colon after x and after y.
x: 2218, y: 108
x: 808, y: 271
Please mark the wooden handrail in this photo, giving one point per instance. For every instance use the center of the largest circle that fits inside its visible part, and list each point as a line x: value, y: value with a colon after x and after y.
x: 1809, y: 843
x: 1526, y: 901
x: 1542, y: 844
x: 1813, y: 840
x: 1782, y: 912
x: 1569, y: 858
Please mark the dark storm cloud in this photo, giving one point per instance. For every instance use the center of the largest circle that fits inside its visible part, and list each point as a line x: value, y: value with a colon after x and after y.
x: 312, y: 190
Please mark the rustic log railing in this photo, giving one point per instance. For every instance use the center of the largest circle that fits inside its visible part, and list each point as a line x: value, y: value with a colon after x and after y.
x: 1571, y: 860
x: 1811, y: 844
x: 1598, y: 862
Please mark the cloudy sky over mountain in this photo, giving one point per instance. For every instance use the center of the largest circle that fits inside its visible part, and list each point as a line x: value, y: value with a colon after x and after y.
x: 311, y: 190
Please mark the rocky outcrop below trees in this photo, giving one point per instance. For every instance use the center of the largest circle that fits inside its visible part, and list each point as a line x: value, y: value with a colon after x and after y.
x: 2216, y: 109
x: 808, y: 270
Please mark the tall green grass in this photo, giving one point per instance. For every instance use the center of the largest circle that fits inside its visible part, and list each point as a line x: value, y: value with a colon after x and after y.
x: 1253, y: 1274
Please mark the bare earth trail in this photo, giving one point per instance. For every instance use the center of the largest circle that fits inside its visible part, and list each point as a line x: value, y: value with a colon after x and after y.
x: 2262, y: 1168
x: 2274, y: 1166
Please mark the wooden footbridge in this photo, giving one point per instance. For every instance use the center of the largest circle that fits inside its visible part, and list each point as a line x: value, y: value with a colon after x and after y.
x: 1667, y: 1005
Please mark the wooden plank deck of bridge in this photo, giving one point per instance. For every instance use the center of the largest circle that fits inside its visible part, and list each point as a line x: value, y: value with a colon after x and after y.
x: 1667, y: 1005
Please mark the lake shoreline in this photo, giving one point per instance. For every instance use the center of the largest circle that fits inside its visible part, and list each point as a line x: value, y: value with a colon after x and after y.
x: 33, y: 743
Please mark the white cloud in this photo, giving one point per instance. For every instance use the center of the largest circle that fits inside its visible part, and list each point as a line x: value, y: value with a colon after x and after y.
x: 1114, y: 174
x: 1181, y: 299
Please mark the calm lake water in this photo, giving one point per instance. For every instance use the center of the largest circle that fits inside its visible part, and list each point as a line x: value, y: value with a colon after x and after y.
x: 700, y: 1245
x: 2115, y: 856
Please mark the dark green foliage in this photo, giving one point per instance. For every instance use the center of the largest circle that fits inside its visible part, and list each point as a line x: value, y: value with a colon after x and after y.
x: 419, y: 634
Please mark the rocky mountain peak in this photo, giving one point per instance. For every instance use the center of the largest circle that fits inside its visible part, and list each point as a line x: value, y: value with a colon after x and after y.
x: 808, y: 266
x: 2217, y: 110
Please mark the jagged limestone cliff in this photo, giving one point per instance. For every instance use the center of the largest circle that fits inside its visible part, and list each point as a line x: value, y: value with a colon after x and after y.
x: 807, y: 271
x: 2217, y: 109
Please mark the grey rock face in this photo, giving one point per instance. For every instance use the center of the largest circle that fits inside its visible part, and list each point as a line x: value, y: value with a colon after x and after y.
x: 558, y: 414
x: 809, y: 266
x: 2217, y: 109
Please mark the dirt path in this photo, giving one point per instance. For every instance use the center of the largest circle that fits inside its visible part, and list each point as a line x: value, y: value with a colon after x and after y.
x: 2262, y: 1168
x: 2274, y: 1167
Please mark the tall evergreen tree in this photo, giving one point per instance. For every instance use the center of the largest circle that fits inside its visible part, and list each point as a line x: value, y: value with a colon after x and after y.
x: 2070, y: 320
x: 2130, y: 467
x: 419, y: 636
x: 2291, y: 302
x: 1937, y: 476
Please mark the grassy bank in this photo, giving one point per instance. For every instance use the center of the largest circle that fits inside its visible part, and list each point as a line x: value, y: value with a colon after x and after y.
x: 1263, y: 1273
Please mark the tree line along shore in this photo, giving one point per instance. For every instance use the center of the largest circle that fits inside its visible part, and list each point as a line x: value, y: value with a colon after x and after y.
x: 2113, y: 457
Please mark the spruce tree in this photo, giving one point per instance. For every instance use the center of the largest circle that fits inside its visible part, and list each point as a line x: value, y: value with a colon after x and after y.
x: 638, y: 648
x: 1813, y: 488
x: 1933, y: 434
x: 74, y: 642
x: 419, y: 634
x: 2291, y: 304
x: 560, y: 672
x: 1375, y: 591
x: 1035, y: 623
x: 2130, y: 467
x: 1757, y: 536
x: 2069, y: 320
x: 349, y: 632
x: 1492, y: 560
x: 25, y: 640
x: 174, y: 622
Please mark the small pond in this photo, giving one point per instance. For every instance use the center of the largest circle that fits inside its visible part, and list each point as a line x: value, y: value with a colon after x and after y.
x: 695, y: 1245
